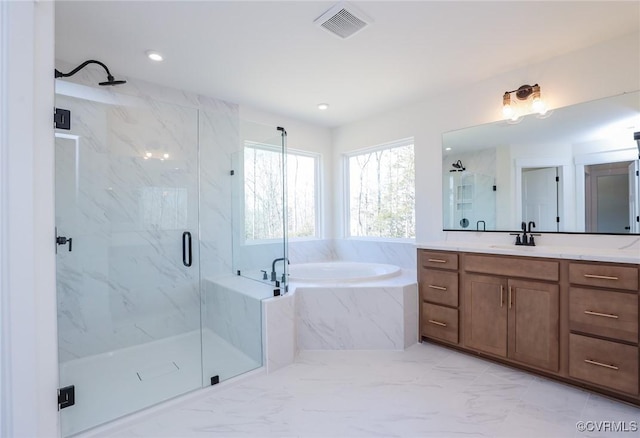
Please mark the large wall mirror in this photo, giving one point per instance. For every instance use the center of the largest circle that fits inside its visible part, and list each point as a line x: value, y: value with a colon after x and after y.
x: 574, y: 170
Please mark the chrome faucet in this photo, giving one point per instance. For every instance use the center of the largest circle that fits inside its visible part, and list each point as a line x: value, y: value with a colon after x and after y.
x: 273, y: 267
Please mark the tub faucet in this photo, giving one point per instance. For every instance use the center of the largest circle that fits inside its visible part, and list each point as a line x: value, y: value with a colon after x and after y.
x: 273, y: 267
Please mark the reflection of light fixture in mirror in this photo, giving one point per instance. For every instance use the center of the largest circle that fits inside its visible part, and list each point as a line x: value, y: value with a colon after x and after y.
x: 523, y: 93
x: 166, y: 155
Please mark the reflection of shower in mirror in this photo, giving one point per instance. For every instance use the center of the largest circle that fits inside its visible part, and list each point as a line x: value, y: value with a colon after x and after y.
x: 457, y: 167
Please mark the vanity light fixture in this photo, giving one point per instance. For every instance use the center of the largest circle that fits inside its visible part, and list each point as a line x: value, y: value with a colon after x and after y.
x: 154, y: 56
x: 523, y: 93
x: 323, y: 106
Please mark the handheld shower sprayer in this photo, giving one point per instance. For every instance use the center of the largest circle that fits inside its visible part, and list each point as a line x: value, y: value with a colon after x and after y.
x: 110, y: 79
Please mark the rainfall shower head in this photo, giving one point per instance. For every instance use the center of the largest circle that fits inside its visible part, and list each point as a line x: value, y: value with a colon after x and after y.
x: 110, y: 78
x: 111, y: 81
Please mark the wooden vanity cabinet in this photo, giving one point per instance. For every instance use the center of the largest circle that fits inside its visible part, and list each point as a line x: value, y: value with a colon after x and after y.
x: 575, y: 321
x: 438, y: 284
x: 603, y: 320
x: 509, y: 317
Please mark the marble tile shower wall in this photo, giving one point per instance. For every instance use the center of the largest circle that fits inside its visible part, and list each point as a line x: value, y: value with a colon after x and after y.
x: 118, y: 290
x: 235, y: 317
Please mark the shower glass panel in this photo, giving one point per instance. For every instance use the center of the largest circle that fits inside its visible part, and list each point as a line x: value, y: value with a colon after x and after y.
x: 128, y: 256
x: 259, y: 203
x: 231, y: 305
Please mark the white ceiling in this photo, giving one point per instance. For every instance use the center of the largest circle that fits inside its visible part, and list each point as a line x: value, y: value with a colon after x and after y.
x: 270, y: 55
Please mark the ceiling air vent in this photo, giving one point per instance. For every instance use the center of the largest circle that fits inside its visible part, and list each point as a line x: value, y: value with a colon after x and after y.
x: 343, y: 20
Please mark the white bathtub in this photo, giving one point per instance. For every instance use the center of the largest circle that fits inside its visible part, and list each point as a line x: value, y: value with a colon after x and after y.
x: 341, y: 272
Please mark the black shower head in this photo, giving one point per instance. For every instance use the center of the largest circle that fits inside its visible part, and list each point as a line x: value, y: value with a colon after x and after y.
x: 110, y: 79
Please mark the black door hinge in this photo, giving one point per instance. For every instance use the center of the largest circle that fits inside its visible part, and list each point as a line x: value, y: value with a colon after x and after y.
x: 66, y: 397
x: 232, y: 172
x: 558, y: 219
x: 62, y: 119
x: 557, y: 179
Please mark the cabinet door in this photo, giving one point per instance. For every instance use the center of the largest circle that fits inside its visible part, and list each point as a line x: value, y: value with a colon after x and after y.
x: 485, y: 315
x: 533, y: 323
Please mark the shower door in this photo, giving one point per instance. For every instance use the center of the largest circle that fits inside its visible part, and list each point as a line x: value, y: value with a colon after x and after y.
x: 127, y: 256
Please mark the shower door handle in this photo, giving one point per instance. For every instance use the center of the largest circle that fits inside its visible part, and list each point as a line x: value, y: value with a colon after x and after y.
x: 187, y: 256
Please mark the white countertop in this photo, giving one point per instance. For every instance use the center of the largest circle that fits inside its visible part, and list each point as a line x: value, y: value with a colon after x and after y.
x: 617, y: 255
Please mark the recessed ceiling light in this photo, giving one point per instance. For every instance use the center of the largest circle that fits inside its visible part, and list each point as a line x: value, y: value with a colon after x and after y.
x: 323, y: 106
x: 154, y: 56
x: 447, y: 149
x: 166, y: 155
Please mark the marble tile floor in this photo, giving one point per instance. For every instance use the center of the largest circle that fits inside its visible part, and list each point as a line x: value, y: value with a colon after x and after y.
x: 423, y: 391
x: 113, y: 384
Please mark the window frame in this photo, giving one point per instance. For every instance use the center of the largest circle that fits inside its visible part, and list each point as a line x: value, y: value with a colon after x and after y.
x: 408, y: 141
x: 317, y: 158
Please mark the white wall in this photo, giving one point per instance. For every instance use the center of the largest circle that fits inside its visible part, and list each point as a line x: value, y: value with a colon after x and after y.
x: 29, y: 345
x: 600, y: 71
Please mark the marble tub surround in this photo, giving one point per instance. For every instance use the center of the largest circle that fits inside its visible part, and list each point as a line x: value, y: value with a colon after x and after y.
x: 400, y: 253
x: 614, y: 248
x: 366, y: 315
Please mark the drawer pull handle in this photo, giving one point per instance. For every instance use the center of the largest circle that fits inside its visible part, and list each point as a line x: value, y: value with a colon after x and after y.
x: 600, y: 364
x: 437, y: 287
x: 510, y: 302
x: 442, y: 324
x: 437, y: 261
x: 501, y: 295
x: 606, y: 315
x: 600, y: 277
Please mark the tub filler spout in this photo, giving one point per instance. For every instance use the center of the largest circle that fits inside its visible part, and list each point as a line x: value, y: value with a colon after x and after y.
x: 273, y: 267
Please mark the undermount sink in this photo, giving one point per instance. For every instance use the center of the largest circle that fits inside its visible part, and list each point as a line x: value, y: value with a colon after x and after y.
x: 513, y: 247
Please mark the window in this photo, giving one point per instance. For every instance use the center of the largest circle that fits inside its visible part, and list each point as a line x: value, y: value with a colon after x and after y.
x: 381, y: 191
x: 263, y: 193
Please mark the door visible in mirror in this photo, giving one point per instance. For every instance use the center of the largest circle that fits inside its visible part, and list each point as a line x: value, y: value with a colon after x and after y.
x: 607, y: 198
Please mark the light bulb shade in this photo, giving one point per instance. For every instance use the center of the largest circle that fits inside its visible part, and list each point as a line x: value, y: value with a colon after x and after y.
x: 538, y: 106
x: 507, y: 109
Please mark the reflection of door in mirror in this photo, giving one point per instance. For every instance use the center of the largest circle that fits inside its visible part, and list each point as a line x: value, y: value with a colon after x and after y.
x: 540, y: 197
x: 607, y: 198
x: 634, y: 195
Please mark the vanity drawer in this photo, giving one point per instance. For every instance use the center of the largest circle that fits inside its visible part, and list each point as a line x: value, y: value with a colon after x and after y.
x: 604, y: 275
x: 513, y: 267
x: 604, y: 363
x: 604, y: 313
x: 439, y: 287
x: 440, y: 260
x: 440, y: 322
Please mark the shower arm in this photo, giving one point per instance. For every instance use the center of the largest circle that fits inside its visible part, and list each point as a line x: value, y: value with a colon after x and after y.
x: 59, y: 74
x: 110, y: 79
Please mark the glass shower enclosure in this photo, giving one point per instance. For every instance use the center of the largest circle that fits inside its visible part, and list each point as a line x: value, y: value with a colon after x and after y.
x: 144, y: 234
x: 259, y: 200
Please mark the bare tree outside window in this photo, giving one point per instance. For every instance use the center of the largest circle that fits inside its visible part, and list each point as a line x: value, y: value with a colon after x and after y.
x: 263, y: 193
x: 382, y: 192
